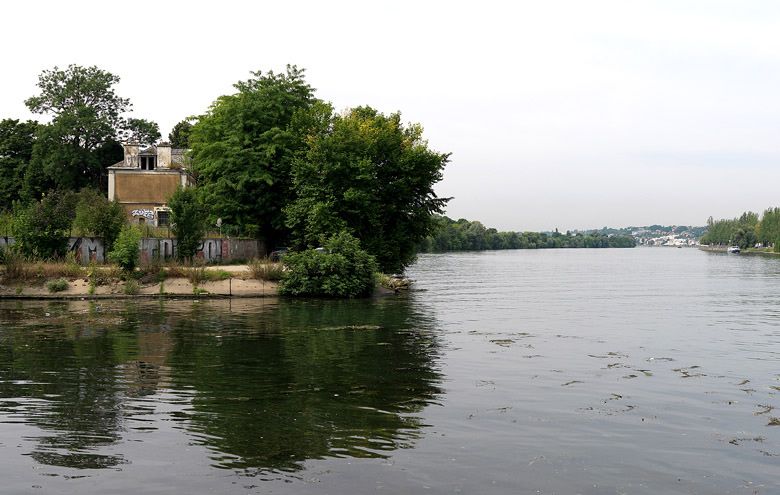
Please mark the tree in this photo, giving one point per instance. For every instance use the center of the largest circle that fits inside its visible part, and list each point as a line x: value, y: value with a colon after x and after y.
x: 42, y: 228
x: 368, y: 174
x: 179, y: 136
x: 144, y: 132
x: 243, y: 148
x: 189, y: 222
x: 16, y: 144
x: 99, y: 217
x: 86, y: 116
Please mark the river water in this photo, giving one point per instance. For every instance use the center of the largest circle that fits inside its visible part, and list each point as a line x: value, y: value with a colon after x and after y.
x: 639, y: 371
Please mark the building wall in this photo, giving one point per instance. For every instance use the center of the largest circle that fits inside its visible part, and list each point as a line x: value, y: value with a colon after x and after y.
x: 146, y: 188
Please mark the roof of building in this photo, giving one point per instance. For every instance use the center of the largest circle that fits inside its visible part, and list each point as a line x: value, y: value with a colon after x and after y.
x: 178, y: 156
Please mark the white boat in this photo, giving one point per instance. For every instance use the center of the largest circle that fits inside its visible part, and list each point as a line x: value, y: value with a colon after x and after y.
x: 733, y: 249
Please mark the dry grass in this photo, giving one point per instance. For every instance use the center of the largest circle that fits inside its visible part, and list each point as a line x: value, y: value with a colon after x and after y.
x: 265, y: 269
x: 20, y: 269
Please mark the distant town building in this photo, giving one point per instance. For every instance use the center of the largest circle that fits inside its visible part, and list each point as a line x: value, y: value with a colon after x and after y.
x: 146, y: 179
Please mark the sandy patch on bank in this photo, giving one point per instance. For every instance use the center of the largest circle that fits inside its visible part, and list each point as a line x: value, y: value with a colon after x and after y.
x: 240, y: 286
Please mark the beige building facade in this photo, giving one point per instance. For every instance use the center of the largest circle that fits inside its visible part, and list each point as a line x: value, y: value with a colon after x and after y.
x: 146, y: 179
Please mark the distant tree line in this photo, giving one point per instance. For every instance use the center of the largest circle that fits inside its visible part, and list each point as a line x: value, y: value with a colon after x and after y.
x: 747, y: 230
x: 465, y: 235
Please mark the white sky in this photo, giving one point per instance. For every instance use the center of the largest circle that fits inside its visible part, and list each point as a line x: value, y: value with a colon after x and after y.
x: 567, y: 114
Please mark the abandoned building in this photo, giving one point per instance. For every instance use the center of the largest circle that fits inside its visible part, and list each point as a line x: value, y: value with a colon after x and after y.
x: 146, y: 179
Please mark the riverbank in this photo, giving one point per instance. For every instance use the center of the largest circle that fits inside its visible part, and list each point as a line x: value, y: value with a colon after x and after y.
x: 212, y: 281
x: 724, y: 249
x: 236, y: 281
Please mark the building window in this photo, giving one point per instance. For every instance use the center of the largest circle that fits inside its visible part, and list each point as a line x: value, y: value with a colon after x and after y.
x: 163, y: 218
x: 148, y: 162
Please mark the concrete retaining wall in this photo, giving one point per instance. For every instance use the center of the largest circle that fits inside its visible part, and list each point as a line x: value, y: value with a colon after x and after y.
x: 211, y: 250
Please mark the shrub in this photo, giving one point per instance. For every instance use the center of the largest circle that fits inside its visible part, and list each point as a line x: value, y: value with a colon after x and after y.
x: 265, y: 269
x: 58, y: 285
x: 343, y: 269
x: 99, y: 217
x: 189, y: 225
x: 42, y: 228
x: 132, y: 287
x: 125, y: 252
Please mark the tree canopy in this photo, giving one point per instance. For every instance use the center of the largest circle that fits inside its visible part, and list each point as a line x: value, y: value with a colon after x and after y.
x: 179, y: 137
x: 243, y: 148
x: 144, y: 132
x: 16, y: 145
x: 86, y: 121
x: 370, y: 175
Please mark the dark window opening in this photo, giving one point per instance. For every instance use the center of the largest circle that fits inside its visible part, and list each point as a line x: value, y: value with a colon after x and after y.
x: 162, y: 218
x: 148, y: 162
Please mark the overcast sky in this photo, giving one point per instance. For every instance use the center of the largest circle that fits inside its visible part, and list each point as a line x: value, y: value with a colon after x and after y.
x: 567, y: 114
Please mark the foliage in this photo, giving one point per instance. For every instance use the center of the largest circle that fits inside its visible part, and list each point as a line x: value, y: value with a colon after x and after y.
x: 463, y: 235
x: 42, y: 228
x: 265, y: 269
x: 768, y: 230
x: 97, y: 216
x: 242, y: 150
x: 144, y: 132
x: 72, y: 150
x: 6, y: 223
x: 739, y: 231
x: 16, y: 145
x: 368, y: 174
x: 344, y: 269
x: 179, y: 136
x: 188, y: 217
x: 132, y: 287
x: 57, y: 285
x: 126, y: 248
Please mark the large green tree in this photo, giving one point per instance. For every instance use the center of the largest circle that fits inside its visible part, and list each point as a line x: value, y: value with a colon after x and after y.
x: 243, y: 149
x: 16, y: 145
x: 370, y: 175
x: 86, y: 120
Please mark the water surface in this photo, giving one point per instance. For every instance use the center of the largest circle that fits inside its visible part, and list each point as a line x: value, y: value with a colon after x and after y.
x: 559, y: 371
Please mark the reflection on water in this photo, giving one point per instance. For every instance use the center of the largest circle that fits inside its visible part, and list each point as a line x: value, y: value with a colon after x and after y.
x: 264, y: 385
x: 638, y: 371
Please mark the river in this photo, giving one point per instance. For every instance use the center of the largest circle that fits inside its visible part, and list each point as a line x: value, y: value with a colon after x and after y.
x: 607, y: 371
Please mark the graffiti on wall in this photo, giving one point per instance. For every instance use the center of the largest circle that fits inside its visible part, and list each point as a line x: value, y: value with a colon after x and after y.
x: 87, y: 249
x: 143, y: 213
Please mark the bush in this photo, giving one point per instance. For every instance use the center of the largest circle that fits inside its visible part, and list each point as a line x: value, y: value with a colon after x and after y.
x: 344, y: 269
x: 58, y: 285
x: 42, y: 228
x: 132, y: 287
x: 189, y: 222
x: 97, y: 216
x: 125, y: 252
